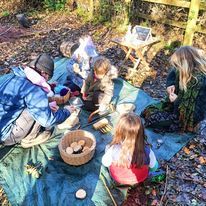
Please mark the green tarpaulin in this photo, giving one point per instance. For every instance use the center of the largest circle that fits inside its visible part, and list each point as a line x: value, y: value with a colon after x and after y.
x: 59, y: 181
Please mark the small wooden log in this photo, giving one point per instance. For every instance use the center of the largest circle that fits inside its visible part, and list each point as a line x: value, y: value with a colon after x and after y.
x: 85, y: 148
x: 69, y: 150
x: 81, y: 142
x: 73, y: 144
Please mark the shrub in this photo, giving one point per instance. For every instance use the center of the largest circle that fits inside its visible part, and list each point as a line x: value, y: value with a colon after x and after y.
x: 55, y: 4
x: 5, y: 13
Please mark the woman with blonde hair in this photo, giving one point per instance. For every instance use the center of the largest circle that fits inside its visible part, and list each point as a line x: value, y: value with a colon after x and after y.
x: 129, y: 157
x: 185, y: 107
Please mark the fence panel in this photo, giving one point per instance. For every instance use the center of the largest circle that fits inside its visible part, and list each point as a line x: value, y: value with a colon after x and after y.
x: 190, y: 26
x: 191, y: 23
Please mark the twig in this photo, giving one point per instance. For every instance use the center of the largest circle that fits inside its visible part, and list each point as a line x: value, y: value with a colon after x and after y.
x: 196, y: 197
x: 38, y: 32
x: 4, y: 71
x: 5, y: 31
x: 110, y: 194
x: 166, y: 202
x: 189, y: 179
x: 104, y: 36
x: 165, y: 188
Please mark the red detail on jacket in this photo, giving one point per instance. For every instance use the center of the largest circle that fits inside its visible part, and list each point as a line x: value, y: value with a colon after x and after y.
x: 129, y: 176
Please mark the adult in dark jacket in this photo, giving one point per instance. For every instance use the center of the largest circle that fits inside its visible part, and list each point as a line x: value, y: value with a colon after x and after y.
x: 25, y: 115
x: 185, y: 107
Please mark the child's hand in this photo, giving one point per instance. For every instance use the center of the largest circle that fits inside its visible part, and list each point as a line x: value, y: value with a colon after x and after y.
x: 170, y: 89
x: 172, y: 97
x: 53, y: 106
x: 84, y: 96
x: 54, y: 109
x: 76, y: 68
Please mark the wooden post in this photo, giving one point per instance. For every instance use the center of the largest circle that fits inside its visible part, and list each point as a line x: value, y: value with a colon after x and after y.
x: 191, y: 22
x: 91, y: 8
x: 128, y: 11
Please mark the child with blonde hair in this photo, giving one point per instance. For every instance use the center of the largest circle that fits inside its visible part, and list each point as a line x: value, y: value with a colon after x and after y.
x: 97, y: 90
x: 129, y: 158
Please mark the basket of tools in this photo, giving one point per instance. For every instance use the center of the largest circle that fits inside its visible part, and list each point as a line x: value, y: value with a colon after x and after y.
x: 77, y: 147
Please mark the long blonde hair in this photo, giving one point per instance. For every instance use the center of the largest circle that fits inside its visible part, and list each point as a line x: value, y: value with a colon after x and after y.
x: 129, y: 133
x: 188, y: 60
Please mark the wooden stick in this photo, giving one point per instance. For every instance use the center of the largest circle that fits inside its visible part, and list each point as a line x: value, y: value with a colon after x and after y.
x: 165, y: 188
x: 189, y: 179
x: 5, y: 31
x: 38, y: 32
x: 110, y: 194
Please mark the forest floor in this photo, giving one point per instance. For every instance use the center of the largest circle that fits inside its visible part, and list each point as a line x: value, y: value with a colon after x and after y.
x: 185, y: 182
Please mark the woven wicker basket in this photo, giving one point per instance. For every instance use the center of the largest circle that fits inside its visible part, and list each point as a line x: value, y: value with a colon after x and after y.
x: 74, y: 136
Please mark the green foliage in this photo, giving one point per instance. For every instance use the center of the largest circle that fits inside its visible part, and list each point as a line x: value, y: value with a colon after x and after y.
x: 83, y: 14
x: 5, y: 13
x: 111, y: 11
x: 105, y: 12
x: 145, y: 23
x: 55, y: 4
x: 171, y: 46
x: 34, y: 4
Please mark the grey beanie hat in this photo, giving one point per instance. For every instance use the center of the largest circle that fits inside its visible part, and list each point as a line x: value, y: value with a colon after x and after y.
x: 43, y: 63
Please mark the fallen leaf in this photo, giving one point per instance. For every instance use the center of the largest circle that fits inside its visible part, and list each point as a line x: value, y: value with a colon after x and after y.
x: 147, y: 192
x: 191, y: 146
x: 202, y: 160
x: 154, y: 193
x: 186, y: 151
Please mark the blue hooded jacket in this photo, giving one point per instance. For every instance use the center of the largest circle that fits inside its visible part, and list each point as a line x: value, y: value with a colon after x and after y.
x: 18, y: 93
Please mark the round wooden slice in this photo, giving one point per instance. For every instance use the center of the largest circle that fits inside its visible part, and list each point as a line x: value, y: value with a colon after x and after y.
x: 81, y: 142
x: 85, y: 148
x: 69, y: 150
x: 81, y: 194
x: 77, y: 149
x: 125, y: 108
x: 73, y: 144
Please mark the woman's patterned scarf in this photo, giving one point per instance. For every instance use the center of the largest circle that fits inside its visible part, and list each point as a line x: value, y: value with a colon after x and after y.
x: 186, y: 107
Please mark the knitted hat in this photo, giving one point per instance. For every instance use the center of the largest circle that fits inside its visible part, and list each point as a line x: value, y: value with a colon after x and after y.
x: 43, y: 63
